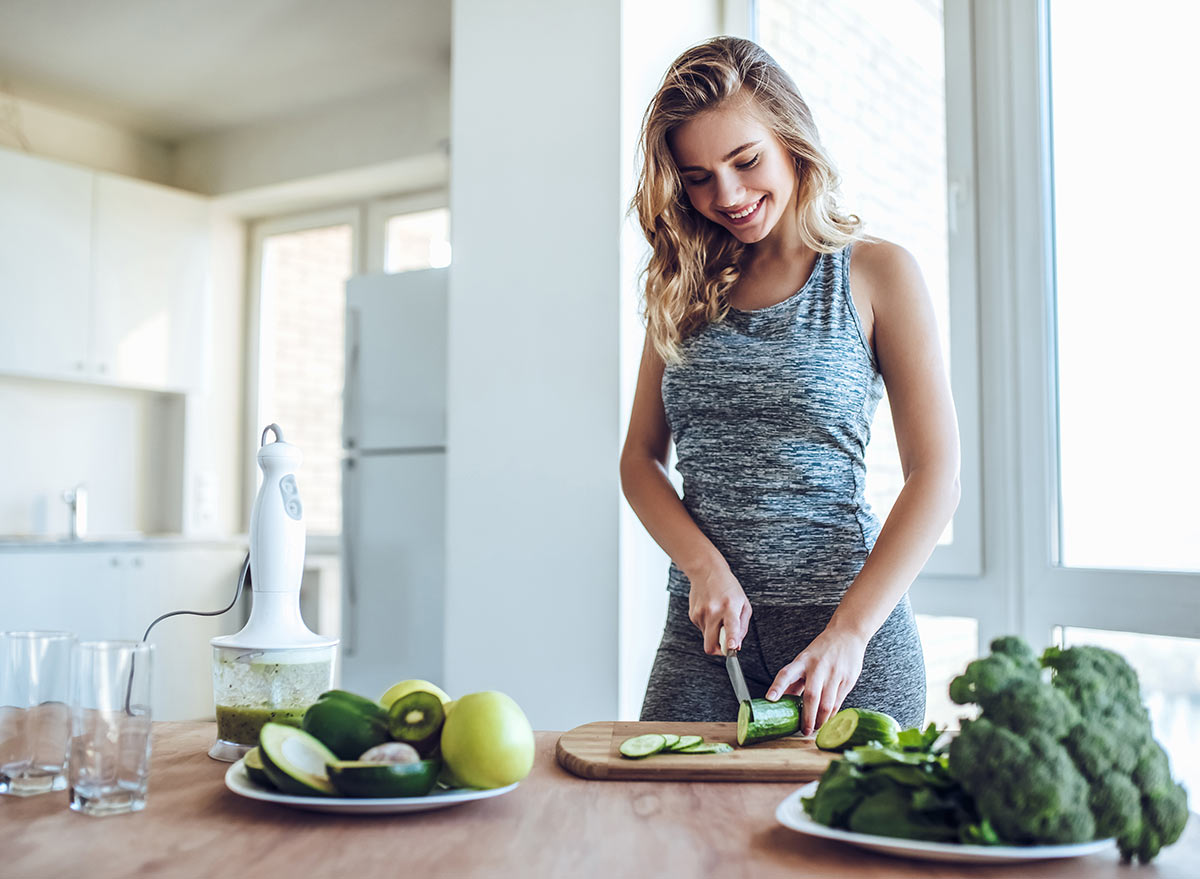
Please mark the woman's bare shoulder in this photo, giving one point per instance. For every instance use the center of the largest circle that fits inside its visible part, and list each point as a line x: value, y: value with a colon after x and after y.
x: 883, y: 269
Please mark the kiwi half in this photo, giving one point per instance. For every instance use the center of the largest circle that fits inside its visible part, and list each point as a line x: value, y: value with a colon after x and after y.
x: 417, y: 718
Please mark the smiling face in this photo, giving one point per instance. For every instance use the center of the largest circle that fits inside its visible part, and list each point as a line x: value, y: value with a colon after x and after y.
x: 736, y: 172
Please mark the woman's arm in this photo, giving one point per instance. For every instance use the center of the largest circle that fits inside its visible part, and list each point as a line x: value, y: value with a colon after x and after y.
x: 716, y: 596
x: 909, y: 354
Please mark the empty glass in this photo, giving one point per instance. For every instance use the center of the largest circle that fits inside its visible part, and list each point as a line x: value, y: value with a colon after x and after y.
x: 109, y: 766
x: 35, y: 720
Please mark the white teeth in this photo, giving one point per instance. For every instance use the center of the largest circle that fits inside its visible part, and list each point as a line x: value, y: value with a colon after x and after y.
x: 747, y: 212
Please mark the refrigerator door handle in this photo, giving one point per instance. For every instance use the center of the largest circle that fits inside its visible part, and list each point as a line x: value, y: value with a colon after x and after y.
x: 350, y: 421
x: 349, y: 555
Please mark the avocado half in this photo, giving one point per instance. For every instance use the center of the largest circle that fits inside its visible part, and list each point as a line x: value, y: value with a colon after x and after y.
x: 295, y: 761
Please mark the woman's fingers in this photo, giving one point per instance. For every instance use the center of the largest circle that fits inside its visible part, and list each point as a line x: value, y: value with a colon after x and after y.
x: 789, y: 680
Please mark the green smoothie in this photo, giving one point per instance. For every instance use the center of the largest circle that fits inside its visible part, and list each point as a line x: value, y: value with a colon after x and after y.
x: 241, y: 724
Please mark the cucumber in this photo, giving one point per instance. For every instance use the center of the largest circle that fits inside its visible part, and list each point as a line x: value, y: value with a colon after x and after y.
x: 852, y: 727
x: 708, y: 748
x: 685, y: 742
x: 642, y: 746
x: 672, y: 741
x: 295, y: 760
x: 761, y: 721
x: 359, y: 778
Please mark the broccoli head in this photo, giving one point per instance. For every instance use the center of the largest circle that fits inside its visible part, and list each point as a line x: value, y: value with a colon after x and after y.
x: 1068, y: 759
x: 1025, y: 784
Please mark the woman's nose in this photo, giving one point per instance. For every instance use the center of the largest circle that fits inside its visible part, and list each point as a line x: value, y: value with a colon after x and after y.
x: 729, y: 190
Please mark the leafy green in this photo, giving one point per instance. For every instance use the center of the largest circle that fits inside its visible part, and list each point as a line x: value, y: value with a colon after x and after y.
x: 904, y: 790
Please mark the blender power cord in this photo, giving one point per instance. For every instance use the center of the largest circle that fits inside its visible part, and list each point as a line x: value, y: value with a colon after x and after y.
x: 243, y: 577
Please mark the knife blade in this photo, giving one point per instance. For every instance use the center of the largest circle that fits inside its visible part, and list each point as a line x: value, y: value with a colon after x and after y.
x: 734, y: 667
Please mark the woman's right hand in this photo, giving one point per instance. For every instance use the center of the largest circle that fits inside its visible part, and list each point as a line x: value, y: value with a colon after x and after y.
x: 716, y: 599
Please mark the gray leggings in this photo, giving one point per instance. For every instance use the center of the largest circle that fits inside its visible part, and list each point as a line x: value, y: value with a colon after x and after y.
x: 686, y: 684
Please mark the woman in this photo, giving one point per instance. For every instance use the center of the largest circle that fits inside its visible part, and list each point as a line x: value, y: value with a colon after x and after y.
x: 773, y: 325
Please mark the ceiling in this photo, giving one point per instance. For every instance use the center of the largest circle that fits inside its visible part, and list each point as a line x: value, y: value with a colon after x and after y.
x: 176, y: 69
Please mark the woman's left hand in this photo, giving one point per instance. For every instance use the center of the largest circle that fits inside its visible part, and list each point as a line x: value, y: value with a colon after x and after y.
x: 824, y: 672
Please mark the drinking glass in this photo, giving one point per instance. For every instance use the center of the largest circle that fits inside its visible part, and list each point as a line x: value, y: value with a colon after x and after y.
x: 109, y: 765
x: 35, y: 720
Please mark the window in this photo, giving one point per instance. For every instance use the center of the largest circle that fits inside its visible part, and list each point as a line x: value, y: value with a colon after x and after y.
x: 874, y: 74
x: 1126, y: 184
x: 303, y: 266
x: 949, y: 644
x: 302, y: 263
x: 417, y: 241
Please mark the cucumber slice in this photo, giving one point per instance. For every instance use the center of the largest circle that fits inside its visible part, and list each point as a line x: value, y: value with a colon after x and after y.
x: 295, y: 760
x: 761, y: 721
x: 359, y: 778
x: 254, y: 768
x: 708, y: 748
x: 642, y: 746
x: 672, y: 741
x: 686, y: 742
x: 852, y: 727
x: 417, y: 718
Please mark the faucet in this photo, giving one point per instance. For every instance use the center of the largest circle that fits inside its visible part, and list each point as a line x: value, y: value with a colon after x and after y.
x: 76, y: 499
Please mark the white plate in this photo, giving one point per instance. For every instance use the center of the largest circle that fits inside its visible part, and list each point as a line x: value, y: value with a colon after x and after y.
x: 790, y: 813
x: 238, y: 782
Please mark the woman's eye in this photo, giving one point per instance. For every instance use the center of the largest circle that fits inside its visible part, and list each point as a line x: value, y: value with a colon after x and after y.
x: 695, y: 181
x: 748, y: 165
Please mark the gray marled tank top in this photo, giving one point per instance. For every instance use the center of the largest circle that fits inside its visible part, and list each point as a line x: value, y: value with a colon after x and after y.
x: 771, y: 413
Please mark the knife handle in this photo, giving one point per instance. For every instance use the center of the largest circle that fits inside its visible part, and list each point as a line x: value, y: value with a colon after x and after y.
x: 721, y: 640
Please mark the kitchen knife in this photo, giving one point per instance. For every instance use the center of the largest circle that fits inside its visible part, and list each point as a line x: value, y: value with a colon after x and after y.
x: 734, y: 667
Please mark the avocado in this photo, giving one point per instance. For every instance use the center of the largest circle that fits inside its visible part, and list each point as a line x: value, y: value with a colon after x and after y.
x: 295, y: 761
x: 358, y: 778
x: 254, y: 768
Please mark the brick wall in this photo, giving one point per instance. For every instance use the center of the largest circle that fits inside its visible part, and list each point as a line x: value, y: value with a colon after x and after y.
x: 304, y: 277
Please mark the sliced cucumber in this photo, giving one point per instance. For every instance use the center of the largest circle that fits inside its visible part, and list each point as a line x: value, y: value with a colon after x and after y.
x: 642, y: 746
x: 761, y: 721
x: 852, y: 727
x: 295, y: 760
x: 358, y: 778
x: 672, y: 741
x: 708, y: 748
x: 254, y: 768
x: 417, y: 718
x: 685, y: 742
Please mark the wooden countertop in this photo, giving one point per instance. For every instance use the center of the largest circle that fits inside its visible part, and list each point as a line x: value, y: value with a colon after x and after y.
x: 553, y: 825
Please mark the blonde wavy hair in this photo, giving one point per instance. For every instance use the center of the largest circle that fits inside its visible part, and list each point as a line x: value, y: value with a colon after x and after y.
x: 694, y: 263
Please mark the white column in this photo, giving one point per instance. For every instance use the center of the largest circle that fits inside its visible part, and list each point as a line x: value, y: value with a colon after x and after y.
x: 534, y: 421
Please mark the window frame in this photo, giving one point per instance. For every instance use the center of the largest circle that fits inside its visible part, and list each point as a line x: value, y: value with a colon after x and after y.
x: 1167, y: 602
x: 1006, y: 572
x: 963, y: 557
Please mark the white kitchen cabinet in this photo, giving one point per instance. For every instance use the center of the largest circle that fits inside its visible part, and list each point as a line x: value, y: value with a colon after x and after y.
x: 150, y: 280
x: 116, y: 592
x: 45, y: 266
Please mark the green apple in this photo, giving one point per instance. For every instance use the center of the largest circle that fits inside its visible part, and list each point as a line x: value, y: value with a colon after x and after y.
x: 395, y: 691
x: 487, y: 741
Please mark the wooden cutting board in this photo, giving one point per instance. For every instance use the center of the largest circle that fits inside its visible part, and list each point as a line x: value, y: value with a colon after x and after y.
x: 590, y: 751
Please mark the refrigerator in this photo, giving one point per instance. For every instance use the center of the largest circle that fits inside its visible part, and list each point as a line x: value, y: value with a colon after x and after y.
x: 393, y: 480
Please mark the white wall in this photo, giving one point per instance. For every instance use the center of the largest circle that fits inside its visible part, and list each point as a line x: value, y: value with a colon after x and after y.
x: 119, y: 442
x: 55, y: 134
x: 396, y: 124
x: 534, y: 426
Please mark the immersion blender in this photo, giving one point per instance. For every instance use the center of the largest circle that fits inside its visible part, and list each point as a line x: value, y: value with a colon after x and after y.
x: 275, y: 666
